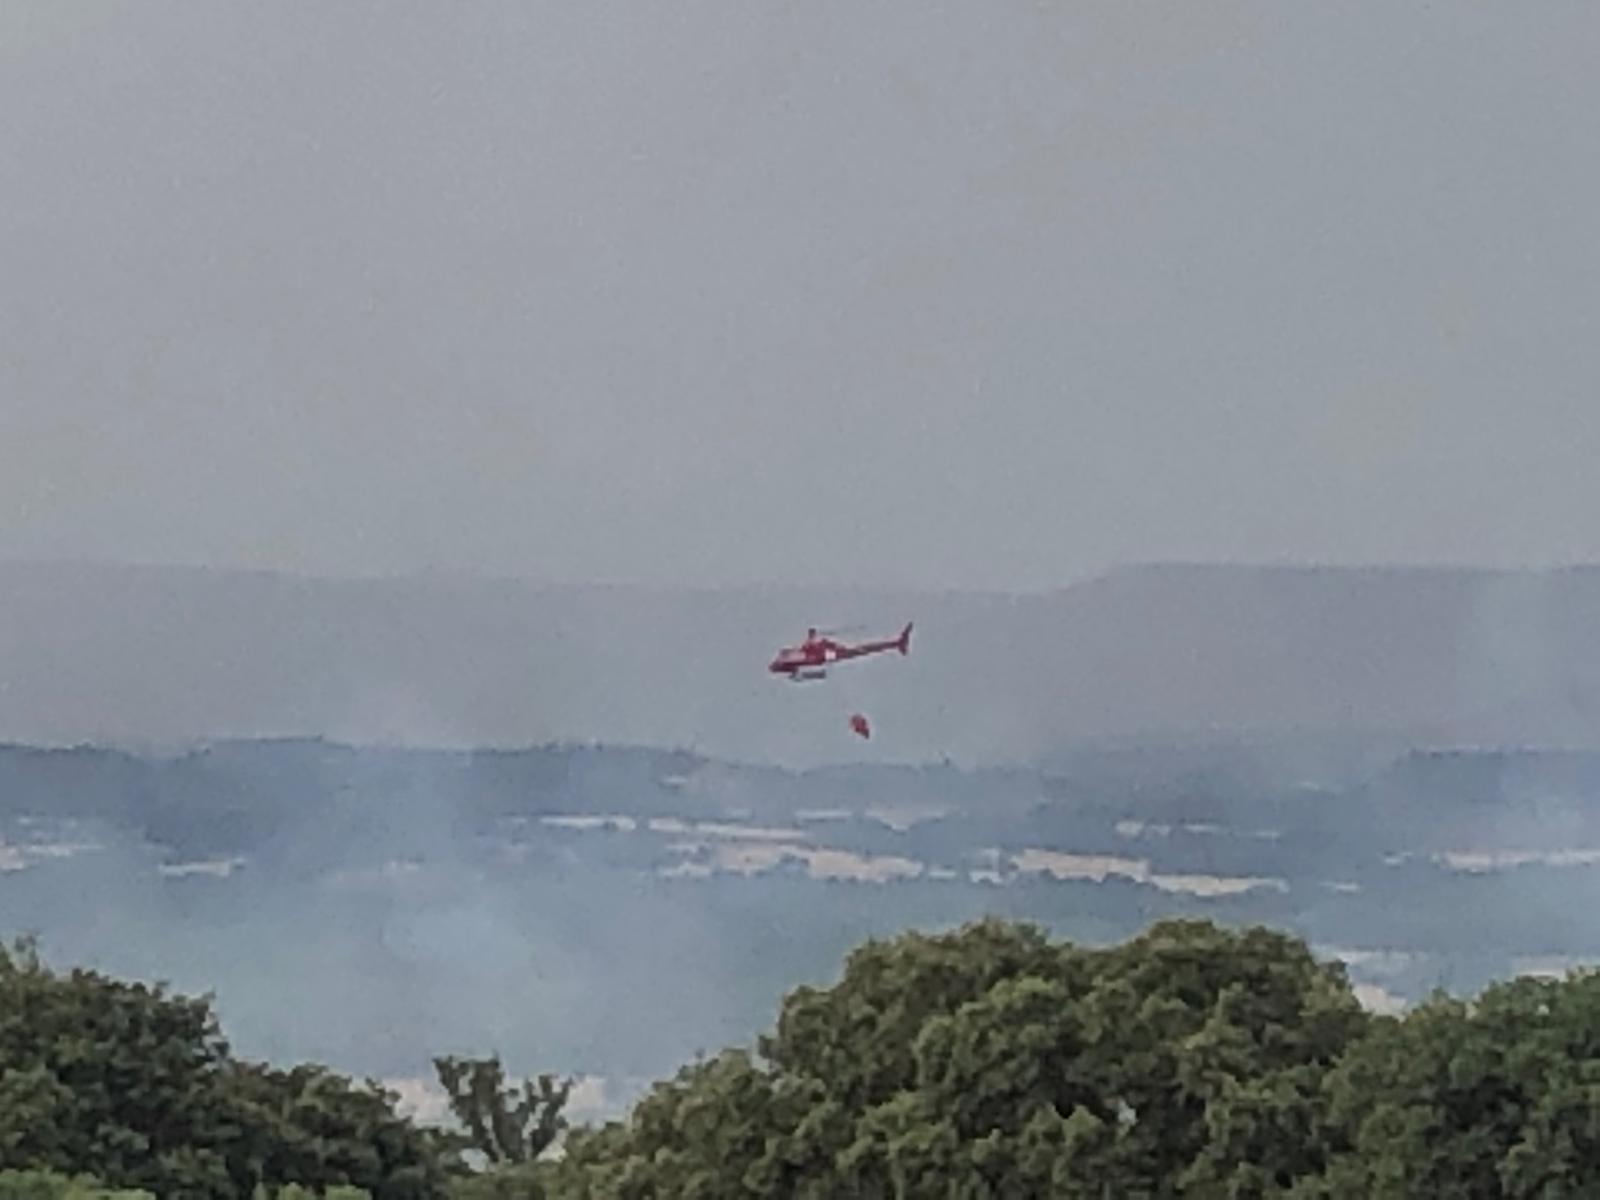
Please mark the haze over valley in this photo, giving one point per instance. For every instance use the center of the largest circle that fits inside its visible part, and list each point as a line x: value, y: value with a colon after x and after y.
x: 421, y: 426
x: 427, y: 893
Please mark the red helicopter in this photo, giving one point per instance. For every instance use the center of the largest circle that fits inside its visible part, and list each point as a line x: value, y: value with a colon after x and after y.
x: 810, y: 659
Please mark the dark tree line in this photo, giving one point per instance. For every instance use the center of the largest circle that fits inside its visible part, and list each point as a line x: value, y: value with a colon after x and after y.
x: 1191, y: 1061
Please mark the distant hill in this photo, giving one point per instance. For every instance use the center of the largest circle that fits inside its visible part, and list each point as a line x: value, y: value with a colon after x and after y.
x: 161, y: 656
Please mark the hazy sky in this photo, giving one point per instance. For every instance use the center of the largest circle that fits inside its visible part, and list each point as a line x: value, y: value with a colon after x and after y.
x: 983, y: 295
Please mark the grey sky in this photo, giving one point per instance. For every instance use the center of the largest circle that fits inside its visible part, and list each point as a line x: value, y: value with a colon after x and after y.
x: 980, y: 295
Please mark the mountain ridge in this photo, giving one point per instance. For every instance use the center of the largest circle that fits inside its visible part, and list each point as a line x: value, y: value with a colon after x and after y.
x: 151, y: 655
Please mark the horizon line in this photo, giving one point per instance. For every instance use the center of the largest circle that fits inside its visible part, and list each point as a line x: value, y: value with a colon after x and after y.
x: 464, y: 575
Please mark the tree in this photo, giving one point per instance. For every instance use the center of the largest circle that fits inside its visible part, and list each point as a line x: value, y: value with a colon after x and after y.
x: 708, y: 1132
x: 111, y: 1078
x: 312, y: 1127
x: 1210, y: 1046
x: 1494, y: 1097
x: 139, y: 1089
x: 991, y: 1062
x: 505, y: 1125
x: 49, y: 1185
x: 856, y: 1038
x: 504, y: 1183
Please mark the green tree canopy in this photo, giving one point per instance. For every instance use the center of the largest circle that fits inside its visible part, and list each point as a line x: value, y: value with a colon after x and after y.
x: 992, y: 1062
x: 989, y: 1062
x: 137, y: 1088
x: 50, y: 1185
x: 1495, y: 1097
x: 114, y: 1079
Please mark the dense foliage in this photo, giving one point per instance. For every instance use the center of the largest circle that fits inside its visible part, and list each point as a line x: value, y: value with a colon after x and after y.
x: 138, y: 1089
x: 49, y: 1185
x: 1191, y: 1061
x: 1500, y: 1097
x: 991, y: 1062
